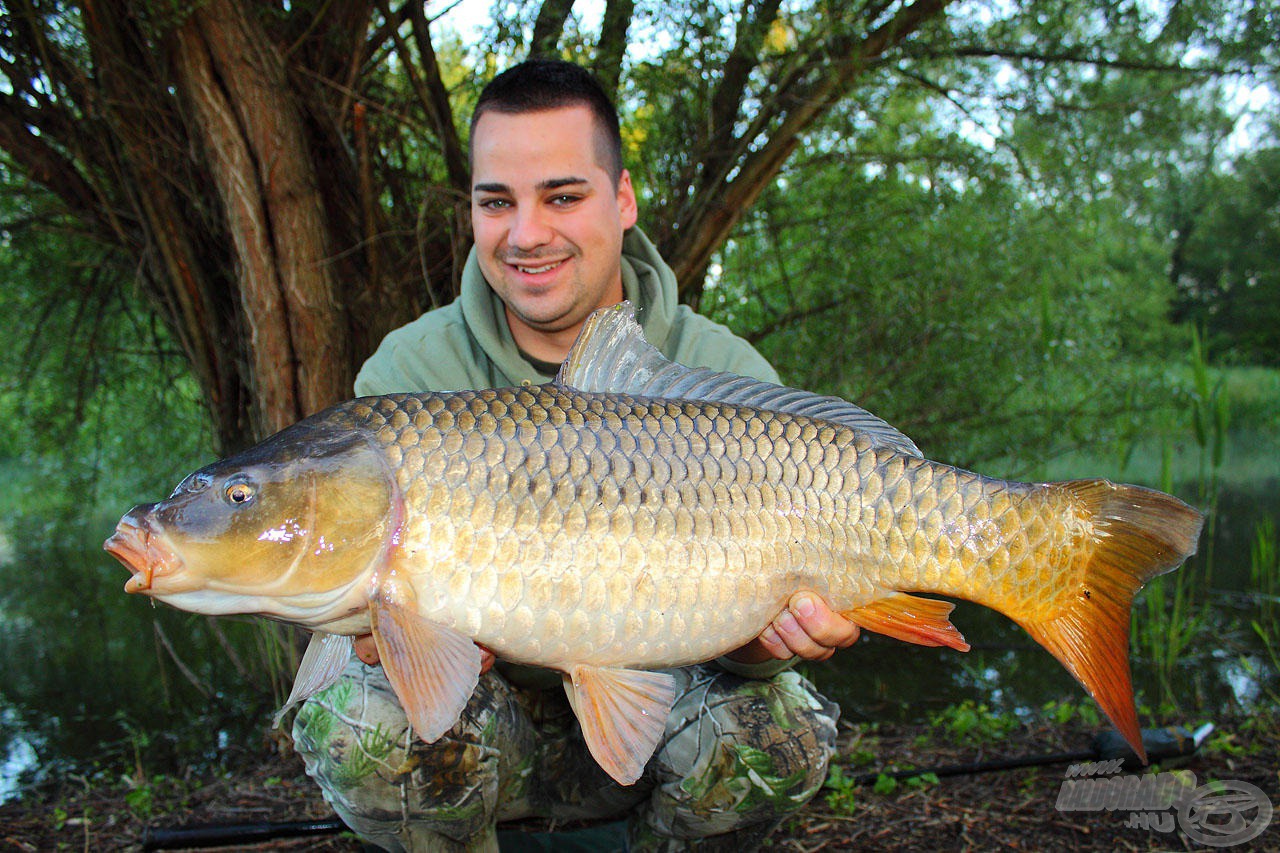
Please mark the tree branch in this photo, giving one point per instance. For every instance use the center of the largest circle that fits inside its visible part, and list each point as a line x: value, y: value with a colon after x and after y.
x: 1074, y: 57
x: 723, y: 202
x: 435, y: 98
x: 726, y: 102
x: 549, y: 26
x: 613, y: 43
x: 48, y: 167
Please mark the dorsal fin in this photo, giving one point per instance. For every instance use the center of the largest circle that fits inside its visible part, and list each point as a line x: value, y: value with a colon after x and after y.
x: 612, y: 355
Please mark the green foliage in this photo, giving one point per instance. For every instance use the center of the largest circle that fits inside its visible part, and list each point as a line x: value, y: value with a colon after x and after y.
x: 980, y: 330
x: 842, y: 790
x: 885, y: 784
x: 1264, y: 571
x: 139, y: 800
x: 1060, y: 713
x: 1250, y: 738
x: 1225, y: 268
x: 1227, y: 743
x: 91, y: 378
x: 972, y: 722
x: 1176, y: 619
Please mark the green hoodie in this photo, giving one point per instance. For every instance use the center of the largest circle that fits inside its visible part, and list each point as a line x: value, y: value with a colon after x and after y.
x: 467, y: 343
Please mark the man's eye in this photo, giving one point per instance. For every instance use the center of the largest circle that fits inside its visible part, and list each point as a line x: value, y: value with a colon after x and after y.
x: 495, y: 204
x: 563, y: 200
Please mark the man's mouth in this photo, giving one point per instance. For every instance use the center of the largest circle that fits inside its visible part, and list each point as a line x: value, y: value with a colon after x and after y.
x: 536, y: 269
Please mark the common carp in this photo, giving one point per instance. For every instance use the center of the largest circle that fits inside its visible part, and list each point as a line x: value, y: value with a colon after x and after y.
x: 631, y: 516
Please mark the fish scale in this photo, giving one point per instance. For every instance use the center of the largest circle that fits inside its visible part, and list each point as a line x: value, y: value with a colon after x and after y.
x: 781, y: 502
x: 635, y: 515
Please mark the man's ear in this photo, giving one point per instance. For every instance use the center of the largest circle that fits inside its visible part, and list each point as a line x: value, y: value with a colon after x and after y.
x: 627, y: 208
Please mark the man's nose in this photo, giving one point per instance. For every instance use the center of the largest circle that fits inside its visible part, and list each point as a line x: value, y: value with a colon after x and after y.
x: 529, y: 229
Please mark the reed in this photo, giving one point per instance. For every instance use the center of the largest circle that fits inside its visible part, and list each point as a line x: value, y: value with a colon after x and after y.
x: 1176, y: 617
x: 1264, y: 573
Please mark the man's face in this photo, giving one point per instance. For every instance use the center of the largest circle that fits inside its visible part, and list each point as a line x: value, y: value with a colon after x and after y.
x: 548, y: 219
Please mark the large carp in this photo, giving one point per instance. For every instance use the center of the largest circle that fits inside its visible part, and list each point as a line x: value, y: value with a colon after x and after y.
x: 634, y: 515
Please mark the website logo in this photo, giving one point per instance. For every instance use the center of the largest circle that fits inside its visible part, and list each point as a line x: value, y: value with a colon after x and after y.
x: 1216, y: 814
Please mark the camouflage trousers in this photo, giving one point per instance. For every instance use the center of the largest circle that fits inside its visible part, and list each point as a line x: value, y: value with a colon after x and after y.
x: 738, y: 756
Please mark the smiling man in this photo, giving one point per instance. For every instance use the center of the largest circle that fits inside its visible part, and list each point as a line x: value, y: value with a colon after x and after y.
x: 553, y: 213
x: 548, y: 228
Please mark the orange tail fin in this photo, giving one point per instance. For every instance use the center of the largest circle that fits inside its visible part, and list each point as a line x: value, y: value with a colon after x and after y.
x: 1140, y: 533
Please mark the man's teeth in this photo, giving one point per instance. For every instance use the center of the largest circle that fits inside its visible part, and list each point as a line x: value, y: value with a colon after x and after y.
x: 536, y: 270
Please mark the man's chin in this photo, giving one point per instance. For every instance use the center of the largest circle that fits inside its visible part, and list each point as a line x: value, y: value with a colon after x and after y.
x: 543, y: 315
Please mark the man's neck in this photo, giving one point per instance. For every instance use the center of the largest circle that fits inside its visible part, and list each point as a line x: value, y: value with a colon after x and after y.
x: 550, y: 347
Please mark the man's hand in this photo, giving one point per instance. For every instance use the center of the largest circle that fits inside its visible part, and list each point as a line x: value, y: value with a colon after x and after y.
x: 808, y: 628
x: 367, y: 651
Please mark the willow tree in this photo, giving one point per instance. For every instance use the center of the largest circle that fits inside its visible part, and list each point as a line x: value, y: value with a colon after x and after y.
x: 289, y: 180
x: 286, y: 182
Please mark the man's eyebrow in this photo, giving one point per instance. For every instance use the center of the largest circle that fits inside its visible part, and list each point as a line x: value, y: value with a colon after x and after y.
x: 543, y: 186
x: 557, y: 183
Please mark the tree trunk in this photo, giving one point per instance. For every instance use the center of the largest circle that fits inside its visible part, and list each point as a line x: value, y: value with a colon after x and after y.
x: 264, y: 172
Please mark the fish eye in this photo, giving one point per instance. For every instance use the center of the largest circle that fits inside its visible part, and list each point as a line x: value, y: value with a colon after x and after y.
x: 238, y: 492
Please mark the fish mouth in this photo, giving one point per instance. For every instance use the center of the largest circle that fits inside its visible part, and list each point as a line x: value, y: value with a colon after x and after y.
x: 135, y: 544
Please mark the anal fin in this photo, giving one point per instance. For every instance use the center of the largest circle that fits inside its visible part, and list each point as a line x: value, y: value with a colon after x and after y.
x: 623, y: 713
x: 912, y: 619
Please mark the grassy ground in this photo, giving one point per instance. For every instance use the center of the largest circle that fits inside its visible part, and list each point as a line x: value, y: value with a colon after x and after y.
x: 1013, y: 810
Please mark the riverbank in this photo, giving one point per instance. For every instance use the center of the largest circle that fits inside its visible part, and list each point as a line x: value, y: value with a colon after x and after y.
x: 1018, y: 809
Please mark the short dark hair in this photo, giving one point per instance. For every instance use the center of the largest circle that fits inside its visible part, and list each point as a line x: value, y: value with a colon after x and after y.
x: 547, y: 84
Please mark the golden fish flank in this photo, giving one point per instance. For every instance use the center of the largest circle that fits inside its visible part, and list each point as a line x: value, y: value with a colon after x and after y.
x: 636, y: 515
x: 552, y: 531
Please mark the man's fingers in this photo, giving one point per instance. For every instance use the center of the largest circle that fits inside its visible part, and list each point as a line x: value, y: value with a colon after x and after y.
x: 809, y: 629
x: 798, y: 640
x: 367, y: 650
x: 822, y: 624
x: 774, y: 644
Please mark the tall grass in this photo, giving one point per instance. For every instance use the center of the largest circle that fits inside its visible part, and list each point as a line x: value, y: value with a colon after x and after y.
x: 1176, y: 619
x: 1264, y: 572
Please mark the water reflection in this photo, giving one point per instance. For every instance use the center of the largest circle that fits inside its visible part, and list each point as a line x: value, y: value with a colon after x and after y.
x: 94, y: 679
x: 18, y: 748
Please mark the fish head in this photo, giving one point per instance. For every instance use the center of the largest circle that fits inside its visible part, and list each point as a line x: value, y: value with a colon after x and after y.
x: 285, y: 529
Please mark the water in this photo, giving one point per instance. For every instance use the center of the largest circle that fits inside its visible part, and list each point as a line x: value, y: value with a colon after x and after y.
x: 18, y: 753
x: 100, y: 680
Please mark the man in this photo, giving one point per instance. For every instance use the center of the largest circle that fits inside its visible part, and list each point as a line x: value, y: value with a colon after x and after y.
x: 748, y: 741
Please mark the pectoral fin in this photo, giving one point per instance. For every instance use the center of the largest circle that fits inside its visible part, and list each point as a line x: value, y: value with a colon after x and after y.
x: 433, y: 668
x: 623, y: 713
x: 322, y: 663
x: 923, y: 621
